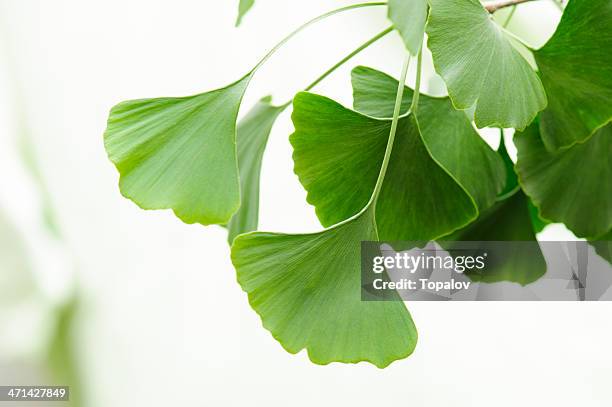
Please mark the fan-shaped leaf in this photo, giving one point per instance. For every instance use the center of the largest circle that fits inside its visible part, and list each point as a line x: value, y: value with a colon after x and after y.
x: 306, y: 288
x: 447, y: 133
x: 482, y: 69
x: 575, y: 69
x: 408, y: 17
x: 179, y: 153
x: 338, y: 154
x: 252, y: 137
x: 572, y: 186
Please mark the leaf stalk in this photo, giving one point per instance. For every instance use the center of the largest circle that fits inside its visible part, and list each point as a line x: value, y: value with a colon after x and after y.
x: 493, y: 7
x: 394, y: 122
x: 308, y: 24
x: 417, y: 86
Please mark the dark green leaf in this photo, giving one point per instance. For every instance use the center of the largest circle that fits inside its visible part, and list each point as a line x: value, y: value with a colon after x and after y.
x: 179, y: 153
x: 575, y: 69
x: 447, y: 133
x: 570, y: 186
x: 482, y: 69
x: 508, y: 220
x: 338, y: 153
x: 408, y: 17
x: 306, y: 288
x: 252, y: 137
x: 243, y: 8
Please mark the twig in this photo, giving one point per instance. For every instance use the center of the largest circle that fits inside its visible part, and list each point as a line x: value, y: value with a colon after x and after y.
x: 493, y: 7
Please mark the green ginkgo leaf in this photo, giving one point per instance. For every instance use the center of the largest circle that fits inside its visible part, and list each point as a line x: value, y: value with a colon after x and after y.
x: 447, y: 133
x: 338, y: 153
x: 508, y: 220
x: 251, y: 139
x: 306, y: 289
x: 179, y: 153
x: 575, y: 69
x: 573, y: 186
x: 481, y: 67
x: 408, y: 17
x: 243, y: 8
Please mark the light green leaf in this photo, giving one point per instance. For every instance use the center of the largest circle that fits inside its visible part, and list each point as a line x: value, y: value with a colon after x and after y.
x: 252, y: 137
x: 570, y: 186
x: 243, y: 8
x: 481, y: 67
x: 306, y: 289
x: 575, y: 69
x: 338, y: 153
x: 447, y: 133
x: 508, y: 220
x: 179, y: 153
x: 408, y: 17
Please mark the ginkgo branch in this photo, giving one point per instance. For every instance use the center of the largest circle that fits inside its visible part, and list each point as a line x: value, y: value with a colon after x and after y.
x: 493, y: 7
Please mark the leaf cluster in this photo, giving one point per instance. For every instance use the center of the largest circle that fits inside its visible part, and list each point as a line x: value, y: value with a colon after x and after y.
x: 397, y: 166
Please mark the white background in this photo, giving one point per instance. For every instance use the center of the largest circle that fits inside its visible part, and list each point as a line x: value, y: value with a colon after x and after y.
x: 164, y: 321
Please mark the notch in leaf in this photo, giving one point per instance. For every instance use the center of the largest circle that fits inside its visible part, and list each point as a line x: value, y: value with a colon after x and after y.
x: 575, y: 69
x: 179, y: 153
x: 481, y: 67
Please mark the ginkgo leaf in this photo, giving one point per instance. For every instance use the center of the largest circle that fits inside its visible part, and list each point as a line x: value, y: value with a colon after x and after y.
x: 252, y: 137
x: 408, y: 17
x: 575, y: 69
x: 243, y: 8
x: 306, y: 289
x: 338, y: 153
x: 482, y: 68
x: 447, y: 133
x: 179, y: 153
x: 573, y: 186
x: 508, y: 220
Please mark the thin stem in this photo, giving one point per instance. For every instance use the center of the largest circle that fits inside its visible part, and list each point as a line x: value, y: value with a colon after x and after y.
x: 505, y: 24
x: 349, y: 57
x: 344, y: 61
x: 309, y: 23
x: 417, y: 86
x: 394, y: 122
x: 493, y: 7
